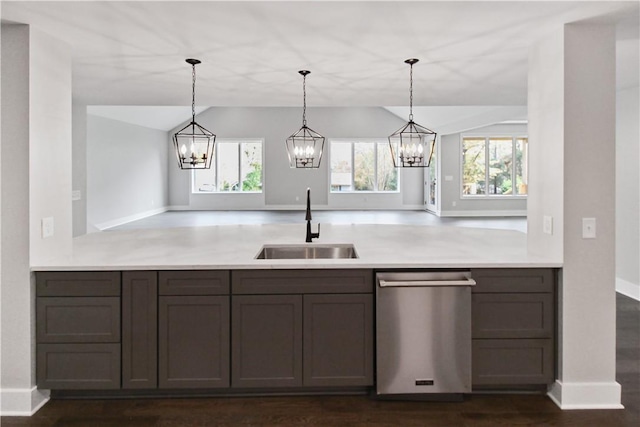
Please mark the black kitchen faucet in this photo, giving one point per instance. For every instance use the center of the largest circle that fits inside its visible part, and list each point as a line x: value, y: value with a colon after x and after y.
x: 310, y: 235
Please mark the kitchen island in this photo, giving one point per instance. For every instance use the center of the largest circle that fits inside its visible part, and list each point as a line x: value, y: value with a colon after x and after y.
x: 190, y: 310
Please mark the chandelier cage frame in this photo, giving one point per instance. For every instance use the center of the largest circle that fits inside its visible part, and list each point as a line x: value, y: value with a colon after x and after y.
x: 305, y: 146
x: 412, y: 145
x: 199, y: 140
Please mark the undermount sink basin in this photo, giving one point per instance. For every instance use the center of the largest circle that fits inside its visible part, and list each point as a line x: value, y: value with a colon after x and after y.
x: 308, y: 251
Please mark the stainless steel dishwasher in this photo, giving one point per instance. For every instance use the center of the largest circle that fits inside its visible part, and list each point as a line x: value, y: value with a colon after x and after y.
x: 423, y: 333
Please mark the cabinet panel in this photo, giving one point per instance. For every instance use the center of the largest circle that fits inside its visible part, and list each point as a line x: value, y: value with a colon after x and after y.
x: 267, y: 341
x: 213, y: 282
x: 511, y: 362
x: 512, y: 315
x: 139, y: 329
x: 77, y: 320
x: 513, y: 280
x: 193, y: 342
x: 77, y: 283
x: 338, y: 340
x: 301, y: 281
x: 78, y: 366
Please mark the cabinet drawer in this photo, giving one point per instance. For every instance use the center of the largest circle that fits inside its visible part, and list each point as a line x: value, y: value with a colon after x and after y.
x: 302, y: 281
x: 512, y: 315
x: 78, y: 320
x: 78, y: 366
x: 513, y: 280
x: 77, y: 283
x: 512, y: 362
x: 194, y: 282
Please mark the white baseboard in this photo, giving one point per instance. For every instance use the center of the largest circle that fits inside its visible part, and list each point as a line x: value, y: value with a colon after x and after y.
x: 586, y: 395
x: 119, y: 221
x: 481, y: 213
x: 632, y: 290
x: 16, y: 402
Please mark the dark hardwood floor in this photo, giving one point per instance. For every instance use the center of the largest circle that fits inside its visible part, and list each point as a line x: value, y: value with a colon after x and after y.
x: 476, y: 410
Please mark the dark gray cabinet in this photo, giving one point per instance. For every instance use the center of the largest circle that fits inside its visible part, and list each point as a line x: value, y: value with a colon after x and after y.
x: 266, y: 341
x: 309, y: 328
x: 78, y: 330
x: 513, y: 332
x: 338, y: 340
x: 193, y: 330
x: 139, y: 329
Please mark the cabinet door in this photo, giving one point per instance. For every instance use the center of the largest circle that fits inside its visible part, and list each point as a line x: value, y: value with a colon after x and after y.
x: 266, y: 341
x: 512, y: 315
x: 193, y: 342
x: 139, y: 329
x: 78, y: 319
x: 512, y: 362
x: 78, y: 366
x: 338, y: 340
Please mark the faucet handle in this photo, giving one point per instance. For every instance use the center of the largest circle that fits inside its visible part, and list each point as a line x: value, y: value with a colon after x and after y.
x: 316, y: 235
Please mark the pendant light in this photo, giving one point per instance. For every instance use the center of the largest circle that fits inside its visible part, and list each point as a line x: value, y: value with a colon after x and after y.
x: 412, y: 145
x: 305, y: 146
x: 193, y: 143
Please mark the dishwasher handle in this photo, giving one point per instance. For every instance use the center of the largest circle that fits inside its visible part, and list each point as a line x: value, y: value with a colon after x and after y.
x: 420, y: 283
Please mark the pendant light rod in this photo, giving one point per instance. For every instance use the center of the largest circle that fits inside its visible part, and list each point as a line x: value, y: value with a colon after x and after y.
x: 411, y: 61
x: 193, y: 63
x: 304, y: 73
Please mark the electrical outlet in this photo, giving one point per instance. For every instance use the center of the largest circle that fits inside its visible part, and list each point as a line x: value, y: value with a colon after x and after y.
x: 588, y: 228
x: 76, y: 195
x: 47, y: 227
x: 454, y: 203
x: 547, y: 224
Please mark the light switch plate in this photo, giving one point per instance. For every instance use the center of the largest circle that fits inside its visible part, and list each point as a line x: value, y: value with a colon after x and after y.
x: 76, y: 195
x: 588, y: 228
x: 547, y: 224
x: 448, y: 177
x: 47, y: 227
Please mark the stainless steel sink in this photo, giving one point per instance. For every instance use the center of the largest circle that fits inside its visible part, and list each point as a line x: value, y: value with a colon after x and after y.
x: 308, y: 251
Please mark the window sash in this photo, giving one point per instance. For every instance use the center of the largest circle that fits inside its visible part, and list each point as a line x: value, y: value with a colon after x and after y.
x: 241, y: 169
x: 515, y: 187
x: 377, y: 145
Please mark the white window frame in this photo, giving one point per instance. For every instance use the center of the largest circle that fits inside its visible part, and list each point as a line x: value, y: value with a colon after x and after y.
x: 214, y: 165
x: 375, y: 160
x: 486, y: 160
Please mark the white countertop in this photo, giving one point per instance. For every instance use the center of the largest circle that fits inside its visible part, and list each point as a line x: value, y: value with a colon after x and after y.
x: 235, y: 246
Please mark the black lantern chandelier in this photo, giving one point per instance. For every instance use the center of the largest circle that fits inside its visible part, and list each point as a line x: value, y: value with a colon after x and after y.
x: 193, y: 143
x: 412, y: 145
x: 305, y: 146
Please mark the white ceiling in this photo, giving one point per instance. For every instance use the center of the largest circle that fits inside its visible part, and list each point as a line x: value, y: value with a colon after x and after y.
x: 471, y: 53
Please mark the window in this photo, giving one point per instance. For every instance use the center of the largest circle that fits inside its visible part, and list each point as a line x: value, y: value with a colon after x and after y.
x: 236, y: 168
x: 362, y: 166
x: 494, y: 166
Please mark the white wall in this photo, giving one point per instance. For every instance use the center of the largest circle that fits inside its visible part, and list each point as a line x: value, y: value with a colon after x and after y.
x: 572, y: 119
x: 282, y: 185
x: 451, y: 165
x: 36, y: 183
x: 79, y: 167
x: 628, y: 192
x: 126, y: 172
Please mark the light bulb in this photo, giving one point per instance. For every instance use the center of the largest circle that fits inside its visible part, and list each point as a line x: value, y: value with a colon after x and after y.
x: 193, y: 147
x: 183, y: 149
x: 420, y: 149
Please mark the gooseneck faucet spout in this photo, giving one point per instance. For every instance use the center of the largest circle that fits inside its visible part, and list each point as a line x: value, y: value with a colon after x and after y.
x: 310, y: 235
